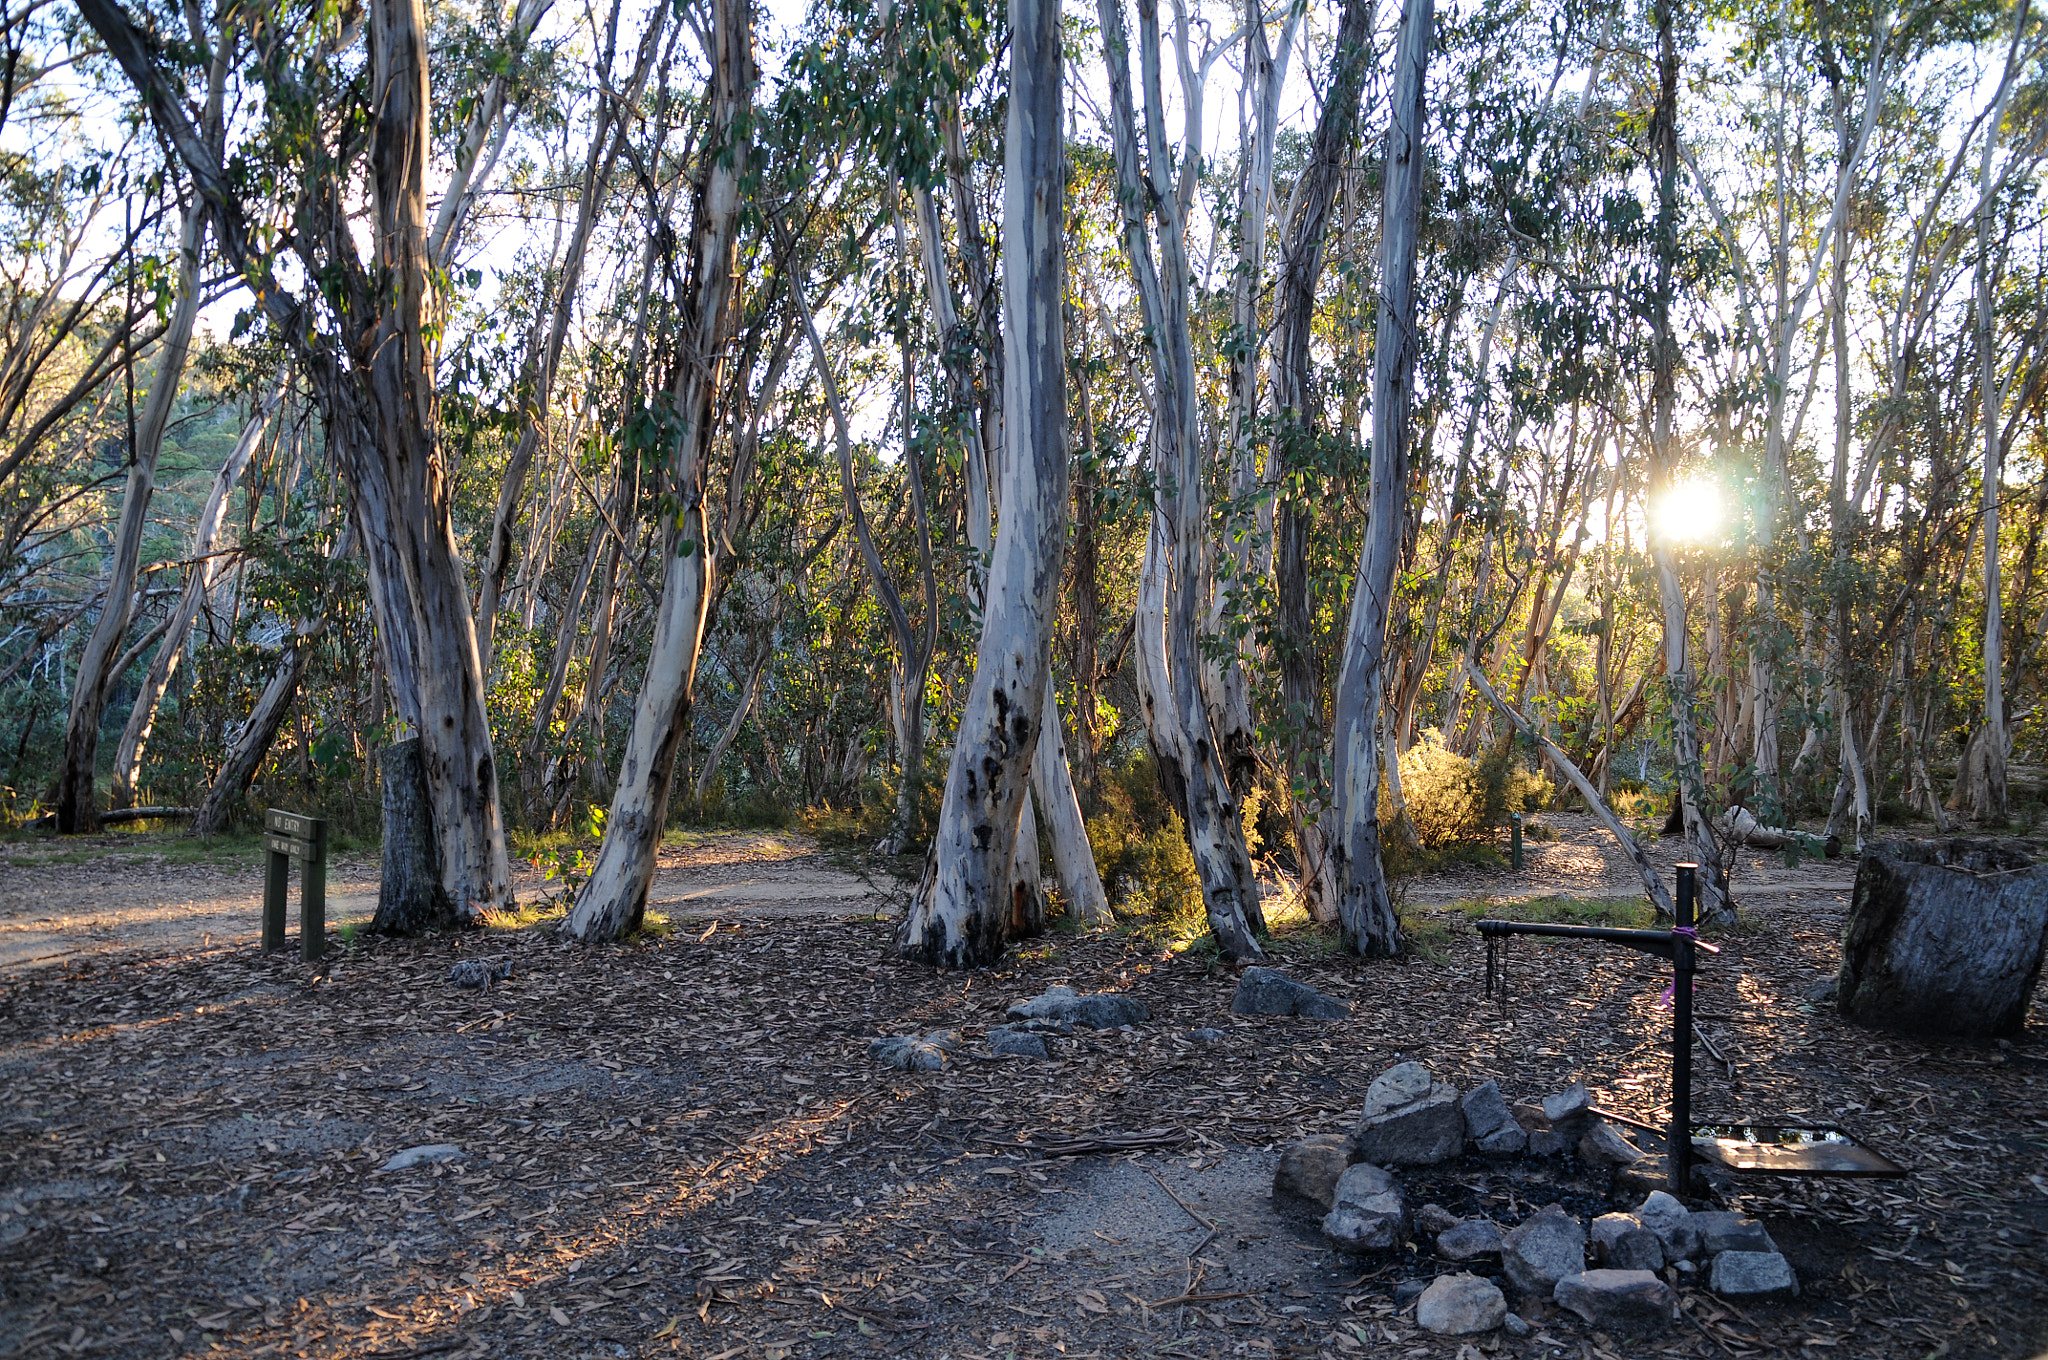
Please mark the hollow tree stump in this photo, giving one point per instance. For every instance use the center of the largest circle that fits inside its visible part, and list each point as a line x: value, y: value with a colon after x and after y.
x: 1944, y: 937
x: 410, y: 898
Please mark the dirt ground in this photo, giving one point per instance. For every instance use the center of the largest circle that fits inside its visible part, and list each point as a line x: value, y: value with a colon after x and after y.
x: 681, y: 1146
x: 108, y: 895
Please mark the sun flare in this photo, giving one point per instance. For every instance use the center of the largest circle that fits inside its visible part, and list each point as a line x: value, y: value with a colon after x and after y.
x: 1688, y: 513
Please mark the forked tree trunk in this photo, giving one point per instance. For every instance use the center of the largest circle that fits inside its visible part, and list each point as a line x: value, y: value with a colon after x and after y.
x: 252, y: 740
x: 198, y: 578
x: 966, y: 904
x: 1365, y: 907
x: 614, y: 900
x: 454, y: 727
x: 1190, y: 759
x: 1984, y: 764
x: 75, y: 808
x: 1052, y: 787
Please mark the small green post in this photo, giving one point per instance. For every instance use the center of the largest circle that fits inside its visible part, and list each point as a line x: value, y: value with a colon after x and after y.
x: 313, y: 895
x: 276, y: 875
x: 1515, y: 841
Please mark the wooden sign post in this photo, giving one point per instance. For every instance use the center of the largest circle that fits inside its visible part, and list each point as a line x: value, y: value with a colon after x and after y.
x: 289, y: 836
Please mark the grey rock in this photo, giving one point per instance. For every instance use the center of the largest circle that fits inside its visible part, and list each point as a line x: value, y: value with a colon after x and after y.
x: 1723, y: 1231
x: 1651, y: 1174
x: 1530, y: 1116
x: 1206, y: 1035
x: 1433, y: 1219
x: 1543, y: 1250
x: 1753, y: 1274
x: 1825, y: 991
x: 1095, y: 1010
x: 1608, y: 1228
x: 1460, y: 1305
x: 1637, y: 1249
x: 1507, y: 1142
x: 1411, y: 1119
x: 1602, y: 1145
x: 1547, y: 1143
x: 1485, y: 1111
x: 1672, y: 1222
x: 1570, y: 1103
x: 1474, y: 1237
x: 1620, y: 1300
x: 421, y: 1155
x: 1042, y: 1026
x: 1268, y: 991
x: 1408, y: 1291
x: 1515, y: 1326
x: 479, y: 974
x: 1310, y: 1169
x: 1367, y: 1212
x: 1401, y: 1084
x: 908, y: 1052
x: 1017, y: 1043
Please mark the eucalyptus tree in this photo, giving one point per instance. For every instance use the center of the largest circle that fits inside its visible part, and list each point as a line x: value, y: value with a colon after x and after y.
x: 1365, y: 907
x: 380, y: 415
x: 1172, y: 596
x: 966, y: 904
x: 681, y: 420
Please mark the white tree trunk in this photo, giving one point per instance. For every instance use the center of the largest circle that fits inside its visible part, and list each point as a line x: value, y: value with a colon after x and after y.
x: 1365, y: 907
x: 1190, y: 759
x: 1052, y: 786
x: 76, y: 810
x: 198, y: 578
x: 959, y: 917
x: 614, y: 900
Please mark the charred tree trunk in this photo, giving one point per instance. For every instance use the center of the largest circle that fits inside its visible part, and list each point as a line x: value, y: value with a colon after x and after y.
x: 960, y: 915
x: 1295, y: 404
x: 409, y: 895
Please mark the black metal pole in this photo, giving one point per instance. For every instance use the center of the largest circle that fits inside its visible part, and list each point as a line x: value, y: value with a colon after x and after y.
x: 1680, y: 1158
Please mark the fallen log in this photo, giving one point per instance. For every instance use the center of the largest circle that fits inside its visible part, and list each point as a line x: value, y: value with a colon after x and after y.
x: 133, y: 814
x: 1739, y: 824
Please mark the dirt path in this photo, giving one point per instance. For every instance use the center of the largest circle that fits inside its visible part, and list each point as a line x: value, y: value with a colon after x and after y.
x: 1584, y: 861
x: 105, y: 895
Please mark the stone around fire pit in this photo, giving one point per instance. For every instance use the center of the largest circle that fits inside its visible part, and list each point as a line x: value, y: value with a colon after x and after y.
x: 1490, y: 1123
x: 1609, y: 1229
x: 1672, y: 1222
x: 1543, y: 1250
x: 1603, y: 1145
x: 1411, y: 1119
x: 1722, y: 1231
x: 1367, y: 1213
x: 1474, y: 1237
x: 1622, y: 1300
x: 1310, y: 1169
x: 1268, y: 991
x: 1752, y: 1275
x: 1461, y: 1305
x: 1432, y: 1219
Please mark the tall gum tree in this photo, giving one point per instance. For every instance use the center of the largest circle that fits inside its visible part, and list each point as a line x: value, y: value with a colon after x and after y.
x: 1365, y: 908
x: 1172, y: 589
x: 614, y: 900
x: 963, y: 912
x: 378, y: 407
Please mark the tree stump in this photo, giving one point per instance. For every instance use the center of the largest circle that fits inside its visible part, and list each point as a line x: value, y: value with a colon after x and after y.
x: 1944, y: 937
x: 410, y: 898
